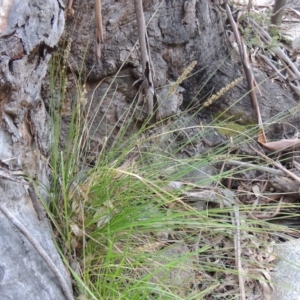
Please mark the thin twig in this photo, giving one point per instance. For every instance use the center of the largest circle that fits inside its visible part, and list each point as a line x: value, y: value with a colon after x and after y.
x: 147, y: 87
x: 231, y: 201
x: 247, y: 67
x: 99, y: 28
x: 64, y: 286
x: 268, y: 61
x: 142, y: 32
x: 255, y: 167
x: 279, y: 166
x: 268, y: 216
x: 70, y: 3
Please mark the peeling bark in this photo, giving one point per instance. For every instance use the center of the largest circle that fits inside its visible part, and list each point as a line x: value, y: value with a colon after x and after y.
x: 29, y: 30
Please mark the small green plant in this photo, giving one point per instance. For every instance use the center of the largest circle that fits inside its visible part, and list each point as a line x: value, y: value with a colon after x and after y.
x: 129, y: 225
x: 252, y: 40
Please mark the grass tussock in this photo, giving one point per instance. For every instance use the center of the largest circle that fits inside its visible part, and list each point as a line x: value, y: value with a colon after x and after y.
x: 137, y: 224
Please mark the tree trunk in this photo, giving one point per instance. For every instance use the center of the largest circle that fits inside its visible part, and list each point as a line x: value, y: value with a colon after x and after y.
x: 179, y: 33
x: 29, y: 31
x: 277, y: 12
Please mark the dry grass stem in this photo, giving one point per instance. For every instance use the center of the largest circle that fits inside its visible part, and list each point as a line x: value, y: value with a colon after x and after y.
x: 222, y: 92
x: 182, y: 77
x: 64, y: 63
x: 67, y: 51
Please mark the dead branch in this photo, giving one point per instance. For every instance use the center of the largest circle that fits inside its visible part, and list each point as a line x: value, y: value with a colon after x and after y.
x: 147, y: 87
x: 247, y: 68
x: 99, y: 28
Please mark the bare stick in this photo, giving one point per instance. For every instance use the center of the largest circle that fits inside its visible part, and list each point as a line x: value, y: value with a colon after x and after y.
x: 147, y: 87
x: 69, y: 8
x: 276, y: 164
x: 66, y: 290
x: 231, y: 201
x: 142, y: 32
x: 255, y: 167
x: 246, y: 64
x: 99, y: 28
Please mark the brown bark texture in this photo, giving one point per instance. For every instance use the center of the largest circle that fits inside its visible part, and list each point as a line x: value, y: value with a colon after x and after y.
x: 29, y: 29
x: 179, y: 32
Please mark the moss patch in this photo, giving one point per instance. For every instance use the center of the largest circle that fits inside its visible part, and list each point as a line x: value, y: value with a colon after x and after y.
x: 237, y: 117
x: 232, y: 129
x: 231, y: 125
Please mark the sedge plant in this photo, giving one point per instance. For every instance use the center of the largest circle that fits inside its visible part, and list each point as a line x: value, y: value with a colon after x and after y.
x: 122, y: 229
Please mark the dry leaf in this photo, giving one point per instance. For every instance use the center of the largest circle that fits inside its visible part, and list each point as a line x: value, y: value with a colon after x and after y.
x: 284, y: 144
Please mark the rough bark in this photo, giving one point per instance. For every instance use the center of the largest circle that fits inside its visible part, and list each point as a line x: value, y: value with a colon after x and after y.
x: 29, y: 31
x: 179, y: 32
